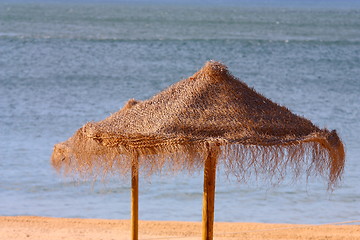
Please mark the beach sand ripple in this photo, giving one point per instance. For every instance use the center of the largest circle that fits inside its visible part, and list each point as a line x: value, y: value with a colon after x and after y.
x: 32, y: 227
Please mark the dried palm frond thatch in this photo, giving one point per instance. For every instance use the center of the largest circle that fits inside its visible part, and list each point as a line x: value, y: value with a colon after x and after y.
x: 174, y: 128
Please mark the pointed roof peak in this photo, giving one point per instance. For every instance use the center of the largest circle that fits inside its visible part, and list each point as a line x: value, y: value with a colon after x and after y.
x: 213, y: 65
x: 213, y: 70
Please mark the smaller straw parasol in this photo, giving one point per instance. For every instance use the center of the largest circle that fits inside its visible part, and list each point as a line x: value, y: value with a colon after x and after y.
x: 207, y: 120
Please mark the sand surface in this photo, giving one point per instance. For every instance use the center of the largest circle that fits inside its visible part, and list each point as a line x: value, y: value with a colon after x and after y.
x: 39, y: 228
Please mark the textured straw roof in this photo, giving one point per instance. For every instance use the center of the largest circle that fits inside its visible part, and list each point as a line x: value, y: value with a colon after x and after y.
x: 174, y: 128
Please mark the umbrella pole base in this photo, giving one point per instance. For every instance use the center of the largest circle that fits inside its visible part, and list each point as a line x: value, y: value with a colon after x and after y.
x: 209, y: 195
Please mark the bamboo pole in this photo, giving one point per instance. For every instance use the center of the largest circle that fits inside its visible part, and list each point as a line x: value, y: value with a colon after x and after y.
x: 134, y: 197
x: 209, y: 194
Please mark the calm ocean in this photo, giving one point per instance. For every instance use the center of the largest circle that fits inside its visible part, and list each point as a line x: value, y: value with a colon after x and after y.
x: 64, y: 64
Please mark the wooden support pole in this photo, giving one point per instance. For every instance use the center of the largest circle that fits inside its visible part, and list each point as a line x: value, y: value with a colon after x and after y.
x: 134, y: 197
x: 209, y: 194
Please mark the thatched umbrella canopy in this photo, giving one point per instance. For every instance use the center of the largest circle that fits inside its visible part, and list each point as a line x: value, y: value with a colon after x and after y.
x: 208, y: 119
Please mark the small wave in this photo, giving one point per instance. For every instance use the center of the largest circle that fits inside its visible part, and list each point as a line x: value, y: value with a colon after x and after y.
x: 15, y: 36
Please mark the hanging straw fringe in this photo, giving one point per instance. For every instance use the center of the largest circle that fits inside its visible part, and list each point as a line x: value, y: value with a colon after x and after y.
x: 91, y: 159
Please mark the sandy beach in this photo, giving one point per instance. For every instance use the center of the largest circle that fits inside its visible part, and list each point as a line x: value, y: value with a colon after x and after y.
x: 32, y: 227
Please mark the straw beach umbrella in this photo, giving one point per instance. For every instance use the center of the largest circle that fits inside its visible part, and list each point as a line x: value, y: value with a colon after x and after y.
x: 207, y: 120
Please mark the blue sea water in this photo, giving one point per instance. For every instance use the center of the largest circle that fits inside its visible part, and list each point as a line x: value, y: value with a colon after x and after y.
x: 63, y: 64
